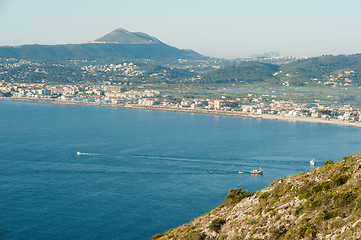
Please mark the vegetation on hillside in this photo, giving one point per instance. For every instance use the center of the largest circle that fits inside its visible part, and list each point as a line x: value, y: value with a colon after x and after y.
x: 106, y: 53
x: 326, y: 71
x: 324, y: 203
x: 335, y: 71
x: 90, y: 72
x: 340, y: 69
x: 245, y: 72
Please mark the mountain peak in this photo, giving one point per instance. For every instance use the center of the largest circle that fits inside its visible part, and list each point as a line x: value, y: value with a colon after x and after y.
x: 123, y: 36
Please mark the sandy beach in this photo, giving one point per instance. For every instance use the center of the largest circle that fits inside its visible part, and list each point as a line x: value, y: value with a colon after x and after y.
x: 198, y: 111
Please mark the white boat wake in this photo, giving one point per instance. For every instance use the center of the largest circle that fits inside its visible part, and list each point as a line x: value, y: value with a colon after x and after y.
x: 93, y: 154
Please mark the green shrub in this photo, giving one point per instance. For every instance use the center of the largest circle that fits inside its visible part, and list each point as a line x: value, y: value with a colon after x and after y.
x: 307, y: 229
x: 298, y: 210
x: 329, y: 162
x: 343, y: 199
x: 344, y: 169
x: 326, y: 186
x: 357, y: 203
x: 275, y: 196
x: 347, y: 197
x: 326, y: 215
x: 278, y: 232
x: 330, y: 214
x: 157, y: 236
x: 193, y: 235
x: 304, y: 191
x: 349, y: 158
x: 339, y: 179
x: 314, y: 203
x: 234, y: 196
x: 216, y: 224
x: 287, y: 188
x: 278, y: 189
x: 264, y: 196
x: 317, y: 188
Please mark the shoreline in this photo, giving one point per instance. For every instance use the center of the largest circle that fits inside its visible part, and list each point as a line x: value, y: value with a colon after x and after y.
x: 197, y: 111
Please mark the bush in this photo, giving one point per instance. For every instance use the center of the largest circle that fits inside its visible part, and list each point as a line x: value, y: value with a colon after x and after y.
x: 278, y: 232
x: 329, y: 214
x: 193, y: 235
x: 349, y: 158
x: 339, y: 179
x: 329, y: 162
x: 234, y: 196
x: 307, y: 230
x: 304, y: 191
x: 317, y: 188
x: 344, y: 199
x: 216, y: 224
x: 264, y: 196
x: 156, y: 236
x: 348, y: 197
x: 326, y: 215
x: 298, y: 210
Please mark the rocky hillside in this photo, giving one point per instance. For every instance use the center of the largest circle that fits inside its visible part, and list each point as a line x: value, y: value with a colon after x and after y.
x: 324, y: 203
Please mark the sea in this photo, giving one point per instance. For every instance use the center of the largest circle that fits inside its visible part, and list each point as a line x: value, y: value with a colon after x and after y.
x: 91, y: 172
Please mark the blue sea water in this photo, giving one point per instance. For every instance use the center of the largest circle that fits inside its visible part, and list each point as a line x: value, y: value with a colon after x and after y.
x: 145, y: 171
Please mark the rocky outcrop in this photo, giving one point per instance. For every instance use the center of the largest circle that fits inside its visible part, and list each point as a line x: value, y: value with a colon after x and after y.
x: 324, y: 203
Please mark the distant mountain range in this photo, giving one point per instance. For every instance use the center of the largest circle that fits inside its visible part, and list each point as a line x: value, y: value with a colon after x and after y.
x: 120, y: 44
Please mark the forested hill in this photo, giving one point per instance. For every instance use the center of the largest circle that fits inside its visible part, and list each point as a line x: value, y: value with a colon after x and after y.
x: 333, y: 71
x: 244, y: 72
x: 324, y: 203
x: 328, y: 70
x: 101, y: 52
x: 118, y: 45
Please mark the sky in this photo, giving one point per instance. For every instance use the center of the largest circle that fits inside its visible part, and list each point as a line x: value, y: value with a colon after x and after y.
x: 224, y: 29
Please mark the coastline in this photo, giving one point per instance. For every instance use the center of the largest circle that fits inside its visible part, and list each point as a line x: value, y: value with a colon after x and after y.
x: 198, y: 111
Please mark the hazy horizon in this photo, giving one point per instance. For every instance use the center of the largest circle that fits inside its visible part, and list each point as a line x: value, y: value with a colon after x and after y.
x: 228, y: 29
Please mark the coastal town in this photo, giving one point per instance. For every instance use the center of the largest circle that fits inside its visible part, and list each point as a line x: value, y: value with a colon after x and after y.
x: 116, y: 96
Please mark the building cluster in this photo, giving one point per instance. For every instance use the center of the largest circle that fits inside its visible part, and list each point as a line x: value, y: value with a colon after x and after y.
x: 341, y: 79
x: 315, y: 110
x: 104, y: 94
x: 115, y: 95
x: 126, y: 69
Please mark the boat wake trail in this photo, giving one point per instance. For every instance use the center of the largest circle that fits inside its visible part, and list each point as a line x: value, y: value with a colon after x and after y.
x: 89, y: 154
x: 182, y: 159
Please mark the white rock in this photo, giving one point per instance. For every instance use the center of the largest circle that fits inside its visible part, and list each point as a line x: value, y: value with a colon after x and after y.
x: 354, y: 225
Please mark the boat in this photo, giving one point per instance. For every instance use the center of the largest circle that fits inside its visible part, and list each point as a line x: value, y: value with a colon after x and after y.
x: 78, y: 153
x: 312, y: 162
x: 256, y: 172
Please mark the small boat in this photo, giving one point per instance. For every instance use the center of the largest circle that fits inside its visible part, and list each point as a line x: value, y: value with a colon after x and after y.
x: 78, y: 153
x: 256, y: 172
x: 312, y: 162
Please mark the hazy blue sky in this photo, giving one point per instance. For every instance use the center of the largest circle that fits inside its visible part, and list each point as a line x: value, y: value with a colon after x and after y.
x: 227, y: 28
